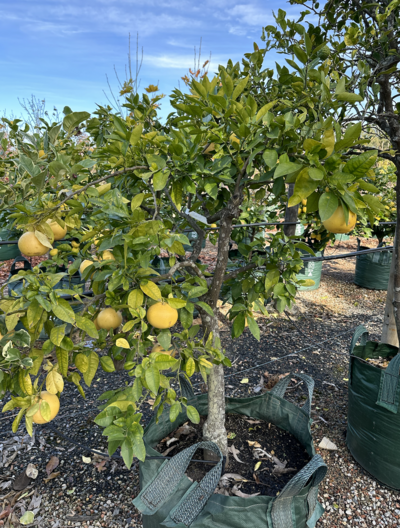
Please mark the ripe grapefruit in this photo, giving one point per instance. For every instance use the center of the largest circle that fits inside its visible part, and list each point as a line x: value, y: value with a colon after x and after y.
x: 30, y: 246
x: 337, y: 224
x: 162, y: 316
x: 84, y: 265
x: 107, y: 255
x: 58, y: 231
x: 54, y: 403
x: 109, y: 318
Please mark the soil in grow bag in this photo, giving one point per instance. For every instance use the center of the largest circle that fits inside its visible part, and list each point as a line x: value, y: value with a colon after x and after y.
x: 248, y: 438
x: 373, y: 269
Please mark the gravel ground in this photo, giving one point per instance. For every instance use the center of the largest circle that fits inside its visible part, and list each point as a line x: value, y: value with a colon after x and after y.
x: 90, y: 491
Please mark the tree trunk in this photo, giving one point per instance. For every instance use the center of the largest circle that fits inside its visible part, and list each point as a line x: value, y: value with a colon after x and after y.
x: 389, y: 330
x: 214, y: 427
x: 396, y: 254
x: 291, y: 214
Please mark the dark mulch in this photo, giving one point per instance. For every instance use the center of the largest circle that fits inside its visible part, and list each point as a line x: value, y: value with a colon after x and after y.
x: 261, y: 471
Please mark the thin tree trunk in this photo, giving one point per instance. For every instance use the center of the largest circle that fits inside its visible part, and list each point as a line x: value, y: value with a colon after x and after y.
x: 396, y: 254
x: 291, y: 214
x: 389, y: 329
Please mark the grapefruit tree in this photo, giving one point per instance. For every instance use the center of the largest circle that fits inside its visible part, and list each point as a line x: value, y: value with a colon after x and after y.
x: 129, y: 190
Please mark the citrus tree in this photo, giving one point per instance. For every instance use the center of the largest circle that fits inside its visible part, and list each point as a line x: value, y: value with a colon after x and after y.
x: 124, y: 191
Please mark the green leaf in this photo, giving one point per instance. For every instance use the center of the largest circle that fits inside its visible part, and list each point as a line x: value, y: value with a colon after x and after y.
x: 135, y: 299
x: 127, y: 452
x: 349, y: 97
x: 240, y: 87
x: 139, y: 449
x: 373, y: 202
x: 63, y: 311
x: 151, y: 290
x: 365, y: 186
x: 163, y: 362
x: 152, y: 377
x: 193, y: 414
x: 137, y: 201
x: 271, y: 279
x: 92, y: 368
x: 159, y: 180
x: 286, y: 168
x: 304, y: 185
x: 136, y: 134
x: 205, y: 307
x: 227, y: 83
x: 157, y: 160
x: 360, y: 165
x: 45, y: 410
x: 270, y: 157
x: 164, y: 338
x: 315, y: 174
x: 82, y: 362
x: 57, y: 334
x: 174, y: 411
x: 87, y: 326
x: 253, y: 326
x: 34, y: 313
x: 107, y: 364
x: 176, y: 194
x: 263, y: 110
x: 73, y: 120
x: 63, y: 359
x: 238, y: 325
x: 176, y: 303
x: 327, y: 205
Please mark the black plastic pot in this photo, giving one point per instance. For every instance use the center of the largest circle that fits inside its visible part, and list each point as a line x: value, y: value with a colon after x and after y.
x: 169, y: 498
x: 373, y: 428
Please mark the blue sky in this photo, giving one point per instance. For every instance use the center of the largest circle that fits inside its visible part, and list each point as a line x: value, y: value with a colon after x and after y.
x: 61, y: 50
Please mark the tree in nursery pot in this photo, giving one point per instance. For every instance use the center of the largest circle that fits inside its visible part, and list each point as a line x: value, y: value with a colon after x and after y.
x: 127, y: 187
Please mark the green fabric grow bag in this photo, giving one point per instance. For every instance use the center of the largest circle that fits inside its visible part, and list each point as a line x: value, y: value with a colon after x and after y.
x: 192, y: 236
x: 373, y: 269
x: 341, y: 237
x: 9, y: 251
x: 311, y: 270
x: 373, y: 430
x: 166, y: 496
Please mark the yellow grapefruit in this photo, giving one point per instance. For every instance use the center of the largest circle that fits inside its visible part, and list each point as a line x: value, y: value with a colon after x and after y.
x: 107, y: 255
x: 30, y: 246
x: 54, y: 403
x: 96, y: 324
x: 53, y: 252
x: 337, y: 223
x: 109, y: 318
x: 162, y: 316
x: 84, y: 265
x: 41, y: 154
x: 58, y: 231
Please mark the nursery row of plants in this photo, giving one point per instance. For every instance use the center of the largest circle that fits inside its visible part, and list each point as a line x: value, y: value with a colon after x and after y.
x: 101, y: 197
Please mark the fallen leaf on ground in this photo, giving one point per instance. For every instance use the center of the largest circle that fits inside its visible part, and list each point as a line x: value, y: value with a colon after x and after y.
x: 327, y: 444
x: 31, y: 471
x: 245, y: 380
x: 253, y: 421
x: 236, y: 491
x: 52, y: 476
x: 86, y: 460
x: 100, y: 466
x: 253, y: 443
x: 21, y: 481
x: 235, y: 452
x: 27, y: 518
x: 52, y: 464
x: 171, y: 441
x: 167, y: 451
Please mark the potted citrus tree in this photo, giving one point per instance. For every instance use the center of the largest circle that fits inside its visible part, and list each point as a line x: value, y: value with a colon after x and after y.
x: 127, y: 188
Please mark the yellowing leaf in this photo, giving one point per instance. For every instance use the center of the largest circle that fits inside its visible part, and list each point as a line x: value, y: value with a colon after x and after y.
x: 328, y: 140
x: 82, y: 362
x: 122, y: 404
x: 43, y: 239
x: 123, y: 343
x: 25, y: 382
x: 257, y: 465
x: 190, y: 367
x: 151, y: 290
x: 54, y: 382
x: 135, y: 299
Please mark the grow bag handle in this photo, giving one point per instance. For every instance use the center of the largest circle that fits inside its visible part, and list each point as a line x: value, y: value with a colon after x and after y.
x: 164, y: 484
x: 360, y: 332
x: 280, y: 389
x: 282, y: 506
x: 389, y: 389
x: 27, y: 265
